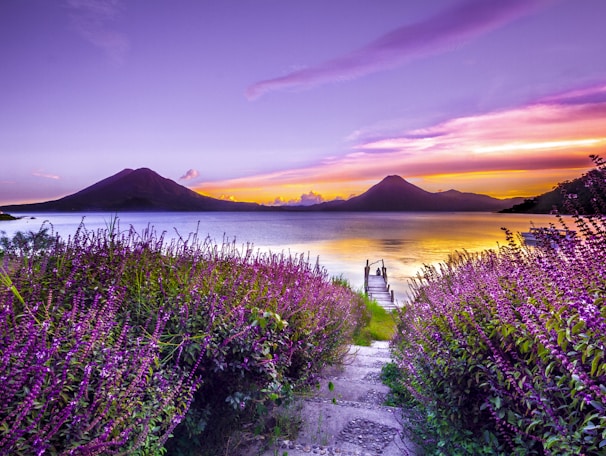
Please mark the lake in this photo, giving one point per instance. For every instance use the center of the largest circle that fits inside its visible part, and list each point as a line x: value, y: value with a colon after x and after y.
x: 341, y: 241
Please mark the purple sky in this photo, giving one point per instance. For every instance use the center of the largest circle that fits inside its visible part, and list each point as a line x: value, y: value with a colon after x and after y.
x: 270, y: 100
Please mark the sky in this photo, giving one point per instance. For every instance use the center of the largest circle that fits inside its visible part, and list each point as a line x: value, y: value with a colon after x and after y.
x: 283, y: 102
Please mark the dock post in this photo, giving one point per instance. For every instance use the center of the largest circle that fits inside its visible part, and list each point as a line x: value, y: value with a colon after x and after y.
x: 366, y: 273
x: 384, y: 271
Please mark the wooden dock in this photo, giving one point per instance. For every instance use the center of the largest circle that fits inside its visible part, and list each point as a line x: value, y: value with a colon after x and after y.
x: 376, y: 285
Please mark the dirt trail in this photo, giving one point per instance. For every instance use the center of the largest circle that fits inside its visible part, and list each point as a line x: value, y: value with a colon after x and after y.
x: 346, y: 416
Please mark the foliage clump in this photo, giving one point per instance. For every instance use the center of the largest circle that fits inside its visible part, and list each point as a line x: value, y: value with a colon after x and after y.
x: 504, y: 352
x: 111, y: 342
x: 6, y: 217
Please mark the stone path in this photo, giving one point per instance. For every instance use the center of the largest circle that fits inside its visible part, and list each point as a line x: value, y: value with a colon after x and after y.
x: 346, y: 416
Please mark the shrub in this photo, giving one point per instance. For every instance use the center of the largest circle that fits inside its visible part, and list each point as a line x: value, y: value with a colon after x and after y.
x: 503, y: 352
x: 128, y: 335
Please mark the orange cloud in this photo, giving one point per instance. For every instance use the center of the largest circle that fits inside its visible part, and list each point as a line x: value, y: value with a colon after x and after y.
x: 521, y: 151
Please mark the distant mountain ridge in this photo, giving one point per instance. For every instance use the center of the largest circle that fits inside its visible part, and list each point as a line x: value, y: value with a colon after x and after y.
x: 145, y: 190
x: 394, y: 193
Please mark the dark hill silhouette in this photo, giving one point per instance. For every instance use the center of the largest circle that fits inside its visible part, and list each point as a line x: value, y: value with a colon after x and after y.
x: 476, y: 202
x: 584, y: 195
x: 396, y: 194
x: 135, y: 190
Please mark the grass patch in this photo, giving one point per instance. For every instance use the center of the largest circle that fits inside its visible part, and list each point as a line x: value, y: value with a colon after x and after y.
x: 380, y: 326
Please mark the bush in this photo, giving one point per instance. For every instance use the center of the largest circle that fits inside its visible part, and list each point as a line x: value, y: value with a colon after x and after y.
x: 503, y: 352
x: 113, y: 340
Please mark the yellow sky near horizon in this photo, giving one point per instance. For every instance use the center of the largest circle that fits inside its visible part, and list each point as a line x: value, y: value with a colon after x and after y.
x: 517, y: 152
x: 497, y: 184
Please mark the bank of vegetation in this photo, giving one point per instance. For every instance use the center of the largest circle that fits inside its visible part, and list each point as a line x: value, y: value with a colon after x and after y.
x: 504, y: 352
x: 6, y: 217
x: 117, y: 342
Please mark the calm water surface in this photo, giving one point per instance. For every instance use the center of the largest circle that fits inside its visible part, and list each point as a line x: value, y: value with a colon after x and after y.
x: 341, y: 241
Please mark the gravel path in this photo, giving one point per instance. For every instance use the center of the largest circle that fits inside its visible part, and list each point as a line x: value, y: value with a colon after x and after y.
x: 347, y: 416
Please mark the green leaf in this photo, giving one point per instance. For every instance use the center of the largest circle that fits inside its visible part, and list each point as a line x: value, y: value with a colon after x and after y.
x: 590, y: 427
x: 595, y: 364
x: 578, y: 327
x: 497, y: 402
x: 597, y: 405
x: 551, y: 441
x: 549, y: 368
x: 562, y: 342
x: 533, y: 424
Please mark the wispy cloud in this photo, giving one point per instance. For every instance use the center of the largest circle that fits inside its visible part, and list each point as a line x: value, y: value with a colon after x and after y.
x: 45, y: 175
x: 93, y: 19
x: 552, y: 136
x: 190, y: 174
x: 582, y: 96
x: 441, y: 32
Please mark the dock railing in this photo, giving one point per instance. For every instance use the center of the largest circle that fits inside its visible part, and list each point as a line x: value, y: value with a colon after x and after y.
x: 381, y: 272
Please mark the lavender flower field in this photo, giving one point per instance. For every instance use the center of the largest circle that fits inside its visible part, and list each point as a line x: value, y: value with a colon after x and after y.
x: 504, y: 352
x: 118, y: 342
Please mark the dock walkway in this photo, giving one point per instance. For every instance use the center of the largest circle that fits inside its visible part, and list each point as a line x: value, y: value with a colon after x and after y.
x: 377, y: 287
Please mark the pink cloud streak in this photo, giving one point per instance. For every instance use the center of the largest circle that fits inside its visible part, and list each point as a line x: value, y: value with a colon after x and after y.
x: 457, y: 25
x: 45, y: 175
x: 552, y: 134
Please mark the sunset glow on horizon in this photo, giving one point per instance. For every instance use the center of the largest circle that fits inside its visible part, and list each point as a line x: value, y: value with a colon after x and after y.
x: 239, y: 101
x: 519, y: 152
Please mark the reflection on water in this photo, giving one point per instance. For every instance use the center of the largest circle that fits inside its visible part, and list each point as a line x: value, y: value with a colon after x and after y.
x: 342, y: 241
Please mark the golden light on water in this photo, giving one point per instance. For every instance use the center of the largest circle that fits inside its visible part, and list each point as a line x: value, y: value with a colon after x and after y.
x: 408, y: 241
x: 342, y: 242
